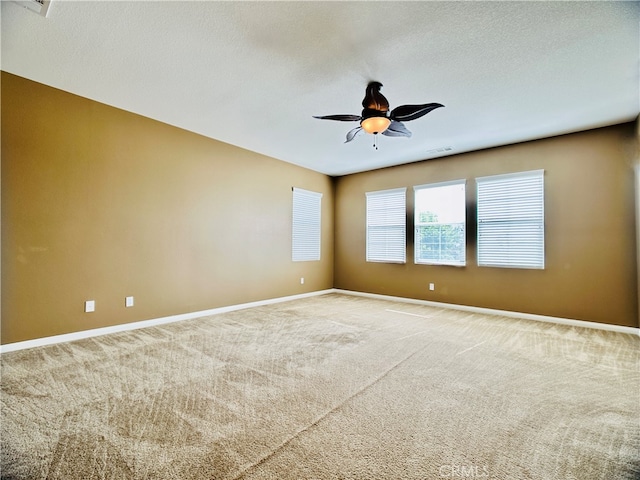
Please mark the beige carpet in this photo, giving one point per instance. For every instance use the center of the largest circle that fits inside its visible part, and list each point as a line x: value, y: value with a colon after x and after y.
x: 330, y: 387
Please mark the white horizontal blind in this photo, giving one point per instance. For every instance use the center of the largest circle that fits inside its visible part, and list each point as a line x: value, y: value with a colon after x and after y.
x: 306, y: 229
x: 511, y: 220
x: 38, y: 6
x: 386, y: 226
x: 440, y: 214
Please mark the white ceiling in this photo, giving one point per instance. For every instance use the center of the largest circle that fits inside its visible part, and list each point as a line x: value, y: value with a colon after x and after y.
x: 253, y: 73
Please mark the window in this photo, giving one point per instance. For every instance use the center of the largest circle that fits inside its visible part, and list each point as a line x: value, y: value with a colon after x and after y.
x: 305, y: 230
x: 386, y: 226
x: 511, y: 220
x: 440, y: 223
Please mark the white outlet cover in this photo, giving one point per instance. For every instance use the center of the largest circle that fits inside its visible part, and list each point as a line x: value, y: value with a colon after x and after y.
x: 128, y: 301
x: 432, y: 286
x: 301, y: 280
x: 90, y: 306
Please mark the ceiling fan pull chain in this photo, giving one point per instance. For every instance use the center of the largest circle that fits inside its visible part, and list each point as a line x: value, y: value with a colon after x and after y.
x: 375, y: 137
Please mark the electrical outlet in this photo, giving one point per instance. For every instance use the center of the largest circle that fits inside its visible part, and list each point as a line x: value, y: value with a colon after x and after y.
x: 301, y: 280
x: 432, y: 286
x: 128, y: 301
x: 90, y: 306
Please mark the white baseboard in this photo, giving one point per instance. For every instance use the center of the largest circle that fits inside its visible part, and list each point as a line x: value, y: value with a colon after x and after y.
x: 69, y: 337
x: 504, y: 313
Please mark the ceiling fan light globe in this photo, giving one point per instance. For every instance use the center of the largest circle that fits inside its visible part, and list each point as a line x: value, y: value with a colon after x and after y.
x: 375, y: 125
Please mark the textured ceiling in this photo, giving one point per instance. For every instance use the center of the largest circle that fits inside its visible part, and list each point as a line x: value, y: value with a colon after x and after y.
x: 254, y: 73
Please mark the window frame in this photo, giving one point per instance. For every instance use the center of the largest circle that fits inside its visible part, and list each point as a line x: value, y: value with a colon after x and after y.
x: 417, y: 224
x: 306, y: 225
x: 518, y: 220
x: 386, y: 226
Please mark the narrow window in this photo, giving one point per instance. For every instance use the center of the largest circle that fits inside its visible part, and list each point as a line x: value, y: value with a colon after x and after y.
x: 440, y: 223
x: 511, y: 220
x: 386, y: 226
x: 306, y: 225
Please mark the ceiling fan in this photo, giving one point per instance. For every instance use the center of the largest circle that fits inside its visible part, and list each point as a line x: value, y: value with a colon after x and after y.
x: 376, y: 118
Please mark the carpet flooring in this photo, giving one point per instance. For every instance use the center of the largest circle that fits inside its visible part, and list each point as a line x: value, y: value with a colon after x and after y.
x: 327, y: 387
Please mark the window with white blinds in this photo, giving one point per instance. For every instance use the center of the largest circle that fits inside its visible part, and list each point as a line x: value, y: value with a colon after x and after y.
x: 386, y: 226
x: 306, y: 230
x: 511, y: 220
x: 440, y: 211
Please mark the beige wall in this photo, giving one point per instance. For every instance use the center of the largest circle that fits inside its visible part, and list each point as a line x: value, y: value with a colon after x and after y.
x: 590, y: 231
x: 636, y: 166
x: 98, y: 203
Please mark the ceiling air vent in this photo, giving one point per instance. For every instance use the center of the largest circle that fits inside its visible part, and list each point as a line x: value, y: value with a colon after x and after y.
x: 38, y: 6
x: 439, y: 150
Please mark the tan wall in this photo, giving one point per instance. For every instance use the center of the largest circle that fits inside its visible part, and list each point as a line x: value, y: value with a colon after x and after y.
x: 590, y: 244
x: 636, y: 167
x: 98, y: 203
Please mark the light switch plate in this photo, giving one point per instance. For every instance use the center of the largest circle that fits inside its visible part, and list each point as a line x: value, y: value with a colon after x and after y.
x: 90, y: 306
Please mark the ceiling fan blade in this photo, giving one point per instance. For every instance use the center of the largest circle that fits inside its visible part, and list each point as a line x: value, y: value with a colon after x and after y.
x: 351, y: 134
x: 340, y: 118
x: 404, y: 113
x: 396, y: 129
x: 373, y: 99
